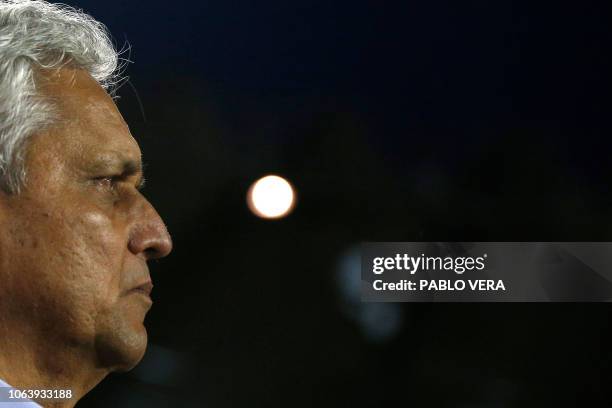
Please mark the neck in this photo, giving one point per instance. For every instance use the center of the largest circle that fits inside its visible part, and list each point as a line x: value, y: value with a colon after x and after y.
x: 42, y: 361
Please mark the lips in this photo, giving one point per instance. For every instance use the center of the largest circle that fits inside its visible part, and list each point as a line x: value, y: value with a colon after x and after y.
x: 144, y: 288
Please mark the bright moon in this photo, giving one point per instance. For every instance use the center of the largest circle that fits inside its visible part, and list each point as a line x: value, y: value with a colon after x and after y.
x: 271, y: 197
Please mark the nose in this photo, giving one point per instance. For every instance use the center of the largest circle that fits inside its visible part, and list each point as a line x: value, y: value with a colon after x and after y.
x: 149, y: 237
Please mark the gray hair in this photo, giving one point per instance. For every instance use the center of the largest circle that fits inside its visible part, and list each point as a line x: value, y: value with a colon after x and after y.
x: 37, y: 35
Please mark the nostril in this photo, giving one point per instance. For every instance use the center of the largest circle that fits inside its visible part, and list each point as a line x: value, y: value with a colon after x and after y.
x: 157, y: 249
x: 149, y: 238
x: 164, y: 245
x: 151, y: 253
x: 151, y: 242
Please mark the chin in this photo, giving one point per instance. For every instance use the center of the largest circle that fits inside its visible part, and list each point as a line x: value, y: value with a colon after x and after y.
x: 120, y: 344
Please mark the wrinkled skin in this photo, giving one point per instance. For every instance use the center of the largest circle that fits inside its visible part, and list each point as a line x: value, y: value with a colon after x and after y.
x: 74, y: 247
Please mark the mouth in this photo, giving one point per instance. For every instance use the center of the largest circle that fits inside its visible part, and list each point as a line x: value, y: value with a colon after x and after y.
x: 143, y: 289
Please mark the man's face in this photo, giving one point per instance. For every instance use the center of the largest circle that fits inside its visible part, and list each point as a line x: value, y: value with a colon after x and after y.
x: 75, y: 241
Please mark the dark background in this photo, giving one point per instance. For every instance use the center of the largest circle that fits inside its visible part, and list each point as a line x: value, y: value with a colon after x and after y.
x: 396, y: 121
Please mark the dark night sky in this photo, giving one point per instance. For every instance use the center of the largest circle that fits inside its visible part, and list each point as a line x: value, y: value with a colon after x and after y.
x: 455, y: 73
x: 469, y: 62
x: 398, y: 121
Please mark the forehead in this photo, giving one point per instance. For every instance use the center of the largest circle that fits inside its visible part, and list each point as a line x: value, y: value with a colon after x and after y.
x: 89, y: 120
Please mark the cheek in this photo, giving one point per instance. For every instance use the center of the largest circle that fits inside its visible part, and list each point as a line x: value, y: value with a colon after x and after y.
x: 78, y: 257
x: 96, y: 247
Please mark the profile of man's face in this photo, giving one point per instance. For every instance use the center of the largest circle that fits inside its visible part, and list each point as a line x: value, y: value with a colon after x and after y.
x: 75, y: 241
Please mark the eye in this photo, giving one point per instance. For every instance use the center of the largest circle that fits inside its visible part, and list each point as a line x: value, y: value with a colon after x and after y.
x: 107, y: 182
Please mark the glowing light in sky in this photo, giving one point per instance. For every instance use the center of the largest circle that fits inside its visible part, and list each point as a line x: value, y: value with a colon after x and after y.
x: 271, y: 197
